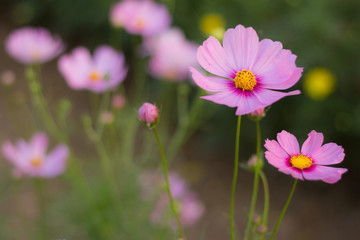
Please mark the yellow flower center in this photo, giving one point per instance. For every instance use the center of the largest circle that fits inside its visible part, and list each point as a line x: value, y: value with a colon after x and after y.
x: 94, y: 76
x: 140, y: 24
x: 245, y: 80
x: 36, y: 161
x: 300, y: 161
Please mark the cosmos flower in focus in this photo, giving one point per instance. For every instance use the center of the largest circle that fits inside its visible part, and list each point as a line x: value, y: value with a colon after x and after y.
x: 247, y: 71
x: 31, y: 158
x: 143, y: 17
x: 104, y: 71
x: 311, y: 162
x: 319, y: 83
x: 171, y: 55
x: 30, y: 45
x: 213, y: 24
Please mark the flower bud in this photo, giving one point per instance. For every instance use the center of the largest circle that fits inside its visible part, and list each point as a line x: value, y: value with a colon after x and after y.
x: 258, y: 113
x: 262, y: 229
x: 256, y: 219
x: 148, y: 114
x: 107, y: 117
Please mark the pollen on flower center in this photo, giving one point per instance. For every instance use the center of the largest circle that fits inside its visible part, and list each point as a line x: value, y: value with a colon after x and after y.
x: 36, y: 161
x: 94, y: 76
x: 245, y: 80
x: 300, y: 161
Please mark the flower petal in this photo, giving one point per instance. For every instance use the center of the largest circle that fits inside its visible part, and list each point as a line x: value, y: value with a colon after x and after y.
x: 211, y: 84
x: 312, y: 143
x: 293, y: 172
x: 288, y: 142
x: 55, y: 162
x: 241, y: 45
x: 274, y: 147
x: 9, y: 151
x: 39, y: 143
x: 213, y: 59
x: 324, y: 173
x: 280, y: 75
x: 248, y: 103
x: 268, y: 97
x: 268, y: 55
x: 329, y: 153
x: 228, y: 98
x: 275, y: 160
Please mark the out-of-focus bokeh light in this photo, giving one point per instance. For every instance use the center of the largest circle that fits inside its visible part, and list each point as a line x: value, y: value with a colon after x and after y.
x: 319, y: 83
x: 213, y: 24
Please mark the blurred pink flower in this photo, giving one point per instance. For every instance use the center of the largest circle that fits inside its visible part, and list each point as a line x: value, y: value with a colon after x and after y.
x: 143, y: 17
x: 118, y: 101
x: 32, y: 160
x: 148, y: 114
x: 311, y: 162
x: 171, y: 55
x: 8, y: 78
x: 104, y: 71
x: 188, y: 205
x: 107, y: 117
x: 247, y: 70
x: 31, y: 45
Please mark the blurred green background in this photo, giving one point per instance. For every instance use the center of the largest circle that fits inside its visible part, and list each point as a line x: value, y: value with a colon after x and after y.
x: 322, y: 33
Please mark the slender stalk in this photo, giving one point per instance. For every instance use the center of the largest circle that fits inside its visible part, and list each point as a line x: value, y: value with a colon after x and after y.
x: 182, y: 234
x: 43, y: 233
x: 256, y: 181
x: 266, y: 201
x: 284, y: 209
x: 236, y: 167
x: 39, y: 102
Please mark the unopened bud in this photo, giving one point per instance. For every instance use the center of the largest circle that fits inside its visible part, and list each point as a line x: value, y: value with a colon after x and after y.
x: 256, y: 219
x: 107, y: 117
x: 148, y: 114
x: 262, y: 229
x: 260, y: 112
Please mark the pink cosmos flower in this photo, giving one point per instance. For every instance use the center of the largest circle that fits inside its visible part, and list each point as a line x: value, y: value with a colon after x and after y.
x: 104, y: 71
x: 32, y: 160
x: 170, y: 62
x: 311, y: 162
x: 246, y: 70
x: 143, y: 17
x: 31, y: 45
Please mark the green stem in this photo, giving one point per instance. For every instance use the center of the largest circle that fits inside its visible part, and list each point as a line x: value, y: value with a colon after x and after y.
x: 236, y: 167
x: 284, y: 209
x: 39, y: 102
x: 182, y: 234
x: 105, y: 101
x: 42, y: 209
x: 256, y: 181
x: 266, y: 201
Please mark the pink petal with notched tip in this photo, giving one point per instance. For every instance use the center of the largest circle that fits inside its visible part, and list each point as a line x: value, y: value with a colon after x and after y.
x: 211, y: 84
x: 275, y: 160
x: 241, y: 46
x: 312, y: 143
x: 268, y: 56
x: 328, y: 154
x: 274, y: 147
x: 324, y: 173
x: 212, y: 58
x: 288, y: 142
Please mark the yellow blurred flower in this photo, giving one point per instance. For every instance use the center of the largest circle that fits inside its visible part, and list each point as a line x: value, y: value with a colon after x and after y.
x: 319, y: 83
x: 213, y: 24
